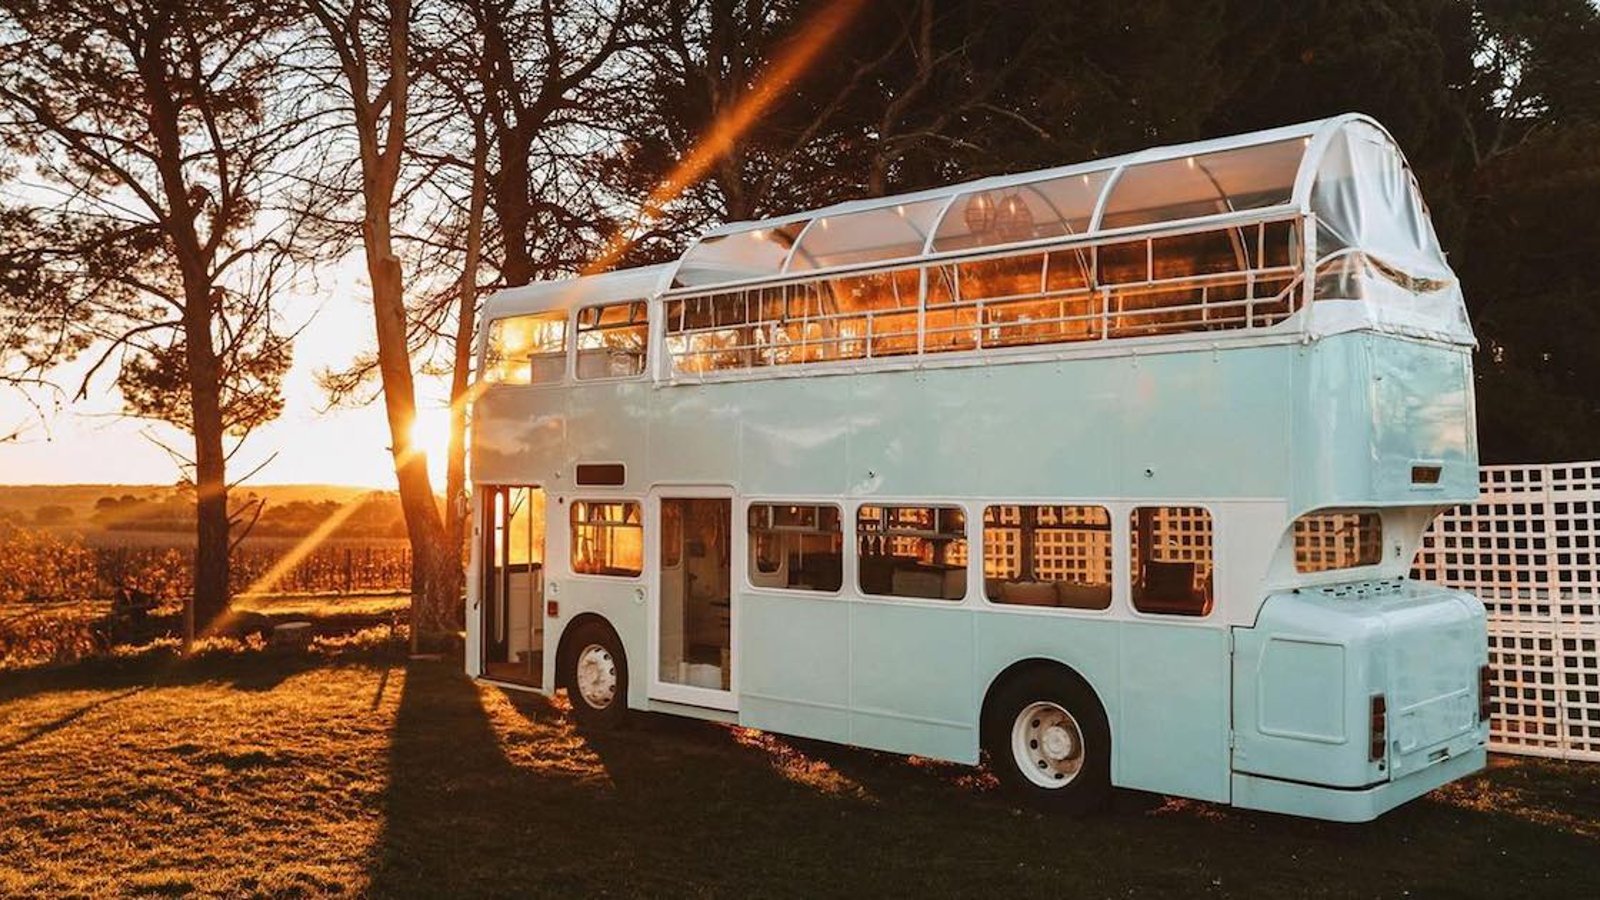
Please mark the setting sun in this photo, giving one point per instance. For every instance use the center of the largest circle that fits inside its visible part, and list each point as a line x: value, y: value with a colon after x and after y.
x: 430, y: 433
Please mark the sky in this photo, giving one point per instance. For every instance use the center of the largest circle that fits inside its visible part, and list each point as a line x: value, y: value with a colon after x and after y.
x: 90, y: 442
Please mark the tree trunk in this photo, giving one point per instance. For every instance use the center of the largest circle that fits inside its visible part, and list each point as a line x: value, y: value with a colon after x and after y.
x: 200, y: 309
x: 513, y: 210
x: 435, y: 568
x: 211, y: 486
x: 456, y: 511
x: 435, y: 571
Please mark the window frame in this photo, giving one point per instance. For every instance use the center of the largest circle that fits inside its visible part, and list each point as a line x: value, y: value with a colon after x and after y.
x: 1117, y: 584
x: 1335, y: 572
x: 1132, y: 507
x: 575, y: 330
x: 568, y: 342
x: 966, y: 568
x: 845, y: 568
x: 644, y: 561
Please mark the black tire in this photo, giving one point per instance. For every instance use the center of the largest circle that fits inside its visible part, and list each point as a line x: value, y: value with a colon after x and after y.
x: 1085, y: 790
x: 586, y: 710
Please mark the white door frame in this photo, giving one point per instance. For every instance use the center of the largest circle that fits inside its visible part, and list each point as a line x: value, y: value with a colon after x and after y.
x: 710, y: 698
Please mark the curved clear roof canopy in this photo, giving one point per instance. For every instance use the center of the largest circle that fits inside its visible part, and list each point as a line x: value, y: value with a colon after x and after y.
x: 1050, y: 207
x: 1373, y: 237
x: 1205, y: 184
x: 869, y: 235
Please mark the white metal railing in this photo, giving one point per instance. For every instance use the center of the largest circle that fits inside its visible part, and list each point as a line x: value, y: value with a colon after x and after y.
x: 1530, y: 549
x: 927, y: 307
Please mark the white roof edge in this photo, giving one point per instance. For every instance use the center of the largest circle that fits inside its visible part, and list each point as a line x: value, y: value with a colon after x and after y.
x: 641, y: 283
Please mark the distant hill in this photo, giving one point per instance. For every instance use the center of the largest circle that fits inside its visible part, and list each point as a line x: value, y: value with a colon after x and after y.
x: 290, y: 509
x: 81, y: 498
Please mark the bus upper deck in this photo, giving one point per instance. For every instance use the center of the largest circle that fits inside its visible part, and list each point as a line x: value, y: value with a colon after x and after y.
x: 1306, y: 230
x: 1150, y: 290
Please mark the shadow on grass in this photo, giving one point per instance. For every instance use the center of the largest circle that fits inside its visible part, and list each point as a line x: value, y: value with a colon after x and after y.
x: 63, y: 721
x: 525, y: 805
x: 496, y: 794
x: 239, y: 666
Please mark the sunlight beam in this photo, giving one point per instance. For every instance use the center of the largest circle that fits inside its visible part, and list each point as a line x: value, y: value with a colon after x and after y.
x: 792, y: 60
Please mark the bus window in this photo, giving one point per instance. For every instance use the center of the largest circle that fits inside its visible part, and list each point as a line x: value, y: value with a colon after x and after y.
x: 798, y: 547
x: 1047, y: 556
x: 527, y: 349
x: 612, y: 340
x: 607, y: 538
x: 1337, y: 539
x: 1172, y: 560
x: 913, y: 551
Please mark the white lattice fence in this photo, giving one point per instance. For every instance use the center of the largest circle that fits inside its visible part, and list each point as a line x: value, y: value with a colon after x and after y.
x: 1530, y: 548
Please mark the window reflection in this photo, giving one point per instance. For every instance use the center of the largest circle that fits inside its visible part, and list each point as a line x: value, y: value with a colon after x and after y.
x: 613, y: 340
x: 527, y: 349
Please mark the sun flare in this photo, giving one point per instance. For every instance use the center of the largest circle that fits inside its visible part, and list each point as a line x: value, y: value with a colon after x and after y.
x: 430, y: 434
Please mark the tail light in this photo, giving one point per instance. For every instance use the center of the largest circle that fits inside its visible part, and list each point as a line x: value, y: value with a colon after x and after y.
x: 1378, y: 727
x: 1485, y: 685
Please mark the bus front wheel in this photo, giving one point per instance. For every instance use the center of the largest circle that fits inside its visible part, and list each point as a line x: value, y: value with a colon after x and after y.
x: 595, y: 672
x: 1048, y: 741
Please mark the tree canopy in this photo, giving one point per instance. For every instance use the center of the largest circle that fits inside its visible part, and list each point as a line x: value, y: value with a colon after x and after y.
x: 165, y: 162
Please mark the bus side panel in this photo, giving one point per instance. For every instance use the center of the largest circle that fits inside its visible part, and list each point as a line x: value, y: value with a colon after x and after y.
x: 911, y: 437
x: 911, y: 679
x: 518, y: 435
x: 694, y: 435
x: 794, y: 669
x: 1035, y: 438
x: 1182, y: 416
x: 1088, y: 645
x: 1172, y: 722
x: 604, y: 425
x: 794, y: 442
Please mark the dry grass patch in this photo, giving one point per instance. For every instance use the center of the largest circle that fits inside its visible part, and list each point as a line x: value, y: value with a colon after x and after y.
x: 349, y: 773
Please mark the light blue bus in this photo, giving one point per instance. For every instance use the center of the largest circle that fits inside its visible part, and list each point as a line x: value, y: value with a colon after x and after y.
x: 1112, y: 472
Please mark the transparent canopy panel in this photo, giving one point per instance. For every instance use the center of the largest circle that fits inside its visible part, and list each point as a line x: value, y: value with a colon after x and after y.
x: 1205, y: 184
x: 750, y: 253
x: 887, y: 232
x: 1379, y: 261
x: 1054, y: 207
x: 1216, y: 212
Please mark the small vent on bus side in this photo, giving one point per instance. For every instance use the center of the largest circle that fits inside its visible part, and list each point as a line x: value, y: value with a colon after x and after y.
x: 1358, y: 590
x: 602, y: 474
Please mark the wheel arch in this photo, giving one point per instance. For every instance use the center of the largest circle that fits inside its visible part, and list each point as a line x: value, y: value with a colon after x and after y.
x: 1033, y: 665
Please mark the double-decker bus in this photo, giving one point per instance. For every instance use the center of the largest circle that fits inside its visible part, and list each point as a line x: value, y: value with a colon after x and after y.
x: 1113, y: 472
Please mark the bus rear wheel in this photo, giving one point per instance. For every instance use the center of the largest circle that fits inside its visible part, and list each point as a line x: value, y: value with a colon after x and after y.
x: 595, y: 673
x: 1048, y: 742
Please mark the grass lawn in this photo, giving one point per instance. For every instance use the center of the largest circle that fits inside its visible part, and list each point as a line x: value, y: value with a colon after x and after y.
x: 354, y: 773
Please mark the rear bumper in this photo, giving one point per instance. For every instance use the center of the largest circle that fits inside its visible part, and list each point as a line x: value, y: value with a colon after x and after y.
x: 1351, y: 805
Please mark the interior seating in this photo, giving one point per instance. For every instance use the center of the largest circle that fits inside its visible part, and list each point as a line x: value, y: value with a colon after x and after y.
x: 1169, y: 587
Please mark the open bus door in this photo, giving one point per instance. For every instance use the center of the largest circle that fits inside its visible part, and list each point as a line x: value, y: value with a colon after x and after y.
x: 692, y: 621
x: 513, y: 583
